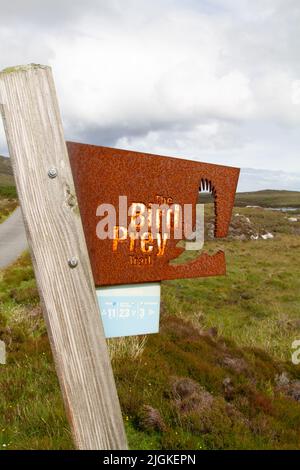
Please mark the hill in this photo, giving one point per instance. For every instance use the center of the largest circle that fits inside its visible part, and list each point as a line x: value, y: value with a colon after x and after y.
x: 7, y: 182
x: 268, y: 198
x: 6, y: 173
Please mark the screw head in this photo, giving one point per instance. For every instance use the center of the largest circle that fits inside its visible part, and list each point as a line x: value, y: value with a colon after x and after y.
x: 52, y: 172
x: 73, y: 262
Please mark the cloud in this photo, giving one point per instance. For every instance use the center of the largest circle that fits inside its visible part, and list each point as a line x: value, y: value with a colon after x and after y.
x: 257, y: 180
x: 48, y: 14
x: 216, y: 80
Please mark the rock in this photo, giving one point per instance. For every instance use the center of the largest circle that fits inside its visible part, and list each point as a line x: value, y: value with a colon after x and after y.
x: 292, y: 219
x: 267, y: 236
x: 241, y: 228
x: 241, y: 237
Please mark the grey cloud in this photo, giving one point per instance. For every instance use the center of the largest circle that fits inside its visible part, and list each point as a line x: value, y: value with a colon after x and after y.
x: 50, y: 13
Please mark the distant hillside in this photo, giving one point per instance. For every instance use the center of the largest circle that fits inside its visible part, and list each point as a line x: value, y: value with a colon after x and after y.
x: 6, y: 173
x: 265, y: 198
x: 7, y: 183
x: 269, y: 198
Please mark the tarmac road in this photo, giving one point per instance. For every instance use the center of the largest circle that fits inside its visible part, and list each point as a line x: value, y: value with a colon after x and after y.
x: 13, y: 239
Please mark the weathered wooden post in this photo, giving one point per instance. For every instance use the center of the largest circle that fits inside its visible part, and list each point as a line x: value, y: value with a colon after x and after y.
x: 46, y: 192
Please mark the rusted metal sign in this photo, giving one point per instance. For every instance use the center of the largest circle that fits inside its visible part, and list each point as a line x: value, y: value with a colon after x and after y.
x: 102, y: 175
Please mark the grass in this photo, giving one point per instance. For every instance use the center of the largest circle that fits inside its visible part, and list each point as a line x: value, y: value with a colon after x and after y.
x: 8, y: 203
x: 269, y: 198
x: 8, y: 193
x: 258, y: 302
x: 31, y: 410
x: 208, y: 380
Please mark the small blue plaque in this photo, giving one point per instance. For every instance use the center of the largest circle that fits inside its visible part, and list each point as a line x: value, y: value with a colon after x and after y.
x: 130, y: 309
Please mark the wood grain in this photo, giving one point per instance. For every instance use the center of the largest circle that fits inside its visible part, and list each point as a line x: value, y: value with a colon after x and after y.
x: 53, y: 225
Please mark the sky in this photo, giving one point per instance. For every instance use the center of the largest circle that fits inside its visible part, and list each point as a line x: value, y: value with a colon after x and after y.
x: 212, y: 80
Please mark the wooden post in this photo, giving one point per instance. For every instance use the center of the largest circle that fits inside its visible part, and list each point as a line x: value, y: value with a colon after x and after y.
x: 46, y: 192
